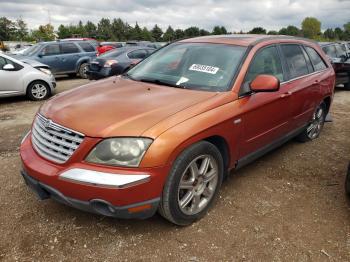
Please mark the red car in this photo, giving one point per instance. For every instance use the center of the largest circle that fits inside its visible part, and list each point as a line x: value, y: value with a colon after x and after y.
x: 104, y: 47
x: 163, y: 135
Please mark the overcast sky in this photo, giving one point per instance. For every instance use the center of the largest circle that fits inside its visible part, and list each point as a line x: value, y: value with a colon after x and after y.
x: 233, y: 14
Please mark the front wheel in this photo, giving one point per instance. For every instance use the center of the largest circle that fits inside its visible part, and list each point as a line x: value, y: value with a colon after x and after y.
x: 347, y: 182
x: 193, y: 184
x: 314, y: 128
x: 38, y: 90
x: 83, y: 70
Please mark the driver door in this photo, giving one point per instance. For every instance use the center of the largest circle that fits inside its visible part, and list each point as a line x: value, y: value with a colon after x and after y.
x: 11, y: 80
x: 265, y: 115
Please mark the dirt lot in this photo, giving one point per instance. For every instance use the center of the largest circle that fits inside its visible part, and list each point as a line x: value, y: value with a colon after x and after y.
x: 287, y: 206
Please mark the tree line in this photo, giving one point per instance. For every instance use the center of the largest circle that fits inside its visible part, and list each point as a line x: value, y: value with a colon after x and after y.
x: 119, y: 30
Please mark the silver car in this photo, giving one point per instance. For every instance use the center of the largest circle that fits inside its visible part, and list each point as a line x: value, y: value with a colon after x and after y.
x: 29, y: 78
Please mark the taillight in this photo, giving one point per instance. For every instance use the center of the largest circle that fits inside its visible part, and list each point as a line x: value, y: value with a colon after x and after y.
x: 109, y: 63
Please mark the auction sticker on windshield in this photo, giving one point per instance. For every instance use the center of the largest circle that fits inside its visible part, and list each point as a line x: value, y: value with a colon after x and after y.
x: 204, y: 68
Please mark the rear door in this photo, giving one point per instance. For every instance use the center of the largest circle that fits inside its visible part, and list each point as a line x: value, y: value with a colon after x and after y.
x: 70, y: 54
x: 265, y: 115
x: 302, y: 82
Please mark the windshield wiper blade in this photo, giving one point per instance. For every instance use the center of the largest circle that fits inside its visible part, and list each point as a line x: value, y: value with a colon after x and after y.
x: 160, y: 82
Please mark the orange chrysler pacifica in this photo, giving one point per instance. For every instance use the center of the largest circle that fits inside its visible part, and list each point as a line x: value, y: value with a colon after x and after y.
x: 163, y: 135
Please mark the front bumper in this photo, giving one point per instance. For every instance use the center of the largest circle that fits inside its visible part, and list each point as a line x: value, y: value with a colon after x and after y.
x: 102, y: 73
x: 67, y: 182
x: 97, y: 206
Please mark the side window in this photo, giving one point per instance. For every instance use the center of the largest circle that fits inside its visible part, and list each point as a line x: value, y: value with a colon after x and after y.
x: 266, y: 61
x: 316, y: 59
x: 87, y: 47
x: 69, y: 48
x: 53, y: 49
x: 137, y: 54
x: 2, y: 62
x: 295, y: 60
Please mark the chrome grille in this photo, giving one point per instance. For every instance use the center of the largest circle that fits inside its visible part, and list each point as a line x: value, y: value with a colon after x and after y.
x: 53, y: 141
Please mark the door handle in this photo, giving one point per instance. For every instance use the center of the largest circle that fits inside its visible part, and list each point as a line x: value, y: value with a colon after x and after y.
x: 286, y: 94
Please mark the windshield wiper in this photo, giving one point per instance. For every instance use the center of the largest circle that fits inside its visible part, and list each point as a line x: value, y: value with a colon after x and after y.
x: 160, y: 82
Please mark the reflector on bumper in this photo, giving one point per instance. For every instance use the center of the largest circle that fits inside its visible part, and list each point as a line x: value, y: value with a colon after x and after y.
x: 102, y: 179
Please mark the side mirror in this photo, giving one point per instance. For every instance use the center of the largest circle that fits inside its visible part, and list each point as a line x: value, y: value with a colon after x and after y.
x: 8, y: 67
x: 265, y: 83
x: 40, y: 55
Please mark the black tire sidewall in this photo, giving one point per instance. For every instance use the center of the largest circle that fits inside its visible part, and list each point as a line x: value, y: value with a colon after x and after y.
x: 29, y: 90
x: 347, y: 182
x: 172, y: 185
x: 81, y: 69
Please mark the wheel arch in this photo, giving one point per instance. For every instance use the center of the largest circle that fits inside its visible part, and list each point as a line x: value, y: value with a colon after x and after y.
x: 327, y: 101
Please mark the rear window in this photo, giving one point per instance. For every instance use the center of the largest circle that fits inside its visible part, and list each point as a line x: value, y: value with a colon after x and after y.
x: 69, y: 48
x: 137, y: 54
x: 330, y: 50
x: 316, y: 59
x: 87, y: 47
x: 295, y: 60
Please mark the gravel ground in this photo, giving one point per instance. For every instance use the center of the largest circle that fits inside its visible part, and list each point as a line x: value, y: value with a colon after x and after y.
x: 287, y: 206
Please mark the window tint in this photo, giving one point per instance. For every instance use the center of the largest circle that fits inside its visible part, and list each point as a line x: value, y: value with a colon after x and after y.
x: 87, y: 47
x: 330, y: 51
x: 295, y: 59
x: 266, y: 61
x: 316, y: 60
x: 340, y: 51
x: 69, y: 48
x: 51, y: 50
x: 137, y: 54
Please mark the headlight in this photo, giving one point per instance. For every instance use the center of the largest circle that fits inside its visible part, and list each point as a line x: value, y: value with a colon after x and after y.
x: 120, y: 151
x: 45, y: 70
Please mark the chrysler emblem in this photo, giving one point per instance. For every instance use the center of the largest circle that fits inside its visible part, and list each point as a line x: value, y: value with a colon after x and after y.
x: 48, y: 123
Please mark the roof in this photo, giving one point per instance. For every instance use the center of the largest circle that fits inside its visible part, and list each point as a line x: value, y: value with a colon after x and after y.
x: 241, y: 39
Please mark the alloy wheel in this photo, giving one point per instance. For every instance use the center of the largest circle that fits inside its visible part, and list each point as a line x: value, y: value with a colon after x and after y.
x: 315, y: 127
x: 197, y: 184
x: 39, y: 91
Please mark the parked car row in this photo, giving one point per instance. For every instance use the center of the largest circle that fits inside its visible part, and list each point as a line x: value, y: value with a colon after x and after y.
x: 339, y: 54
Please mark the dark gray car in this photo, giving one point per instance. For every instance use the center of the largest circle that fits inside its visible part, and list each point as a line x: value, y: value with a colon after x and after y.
x: 117, y: 61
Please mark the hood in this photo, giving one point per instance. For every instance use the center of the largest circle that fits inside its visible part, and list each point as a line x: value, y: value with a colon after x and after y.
x: 119, y: 107
x: 34, y: 63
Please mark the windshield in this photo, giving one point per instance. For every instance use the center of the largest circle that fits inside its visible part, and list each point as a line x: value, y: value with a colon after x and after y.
x: 112, y: 53
x: 31, y: 50
x: 201, y: 66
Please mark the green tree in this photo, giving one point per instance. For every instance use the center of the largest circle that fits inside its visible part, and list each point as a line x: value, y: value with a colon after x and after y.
x: 136, y: 32
x: 203, y: 32
x: 329, y: 34
x: 104, y: 29
x: 44, y: 33
x: 272, y: 32
x: 217, y: 30
x: 21, y: 32
x: 63, y: 32
x: 146, y: 34
x: 157, y: 33
x: 347, y: 31
x: 338, y: 33
x: 192, y: 31
x: 311, y: 27
x: 179, y: 34
x: 90, y: 29
x: 169, y: 34
x: 258, y: 30
x: 7, y: 29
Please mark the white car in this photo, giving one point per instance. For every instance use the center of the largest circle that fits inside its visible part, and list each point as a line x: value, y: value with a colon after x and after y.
x: 29, y: 78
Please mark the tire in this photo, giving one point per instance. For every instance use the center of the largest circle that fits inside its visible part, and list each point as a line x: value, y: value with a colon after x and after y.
x: 82, y: 70
x: 38, y: 90
x: 314, y: 128
x: 198, y: 163
x: 347, y: 182
x: 347, y: 86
